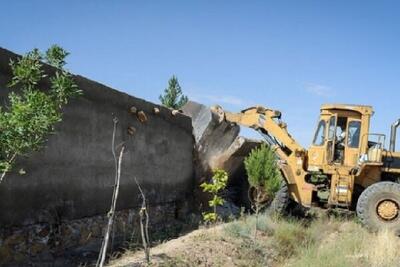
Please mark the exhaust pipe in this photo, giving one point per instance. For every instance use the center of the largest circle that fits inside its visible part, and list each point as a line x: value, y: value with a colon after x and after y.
x: 393, y: 132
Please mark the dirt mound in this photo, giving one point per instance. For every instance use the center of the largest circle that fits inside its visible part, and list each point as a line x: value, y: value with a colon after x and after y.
x: 193, y: 249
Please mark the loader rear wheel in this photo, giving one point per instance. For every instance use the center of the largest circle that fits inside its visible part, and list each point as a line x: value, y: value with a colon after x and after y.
x: 379, y: 207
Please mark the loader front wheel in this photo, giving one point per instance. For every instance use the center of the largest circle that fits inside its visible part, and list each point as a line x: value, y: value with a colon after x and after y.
x: 280, y: 205
x: 378, y: 207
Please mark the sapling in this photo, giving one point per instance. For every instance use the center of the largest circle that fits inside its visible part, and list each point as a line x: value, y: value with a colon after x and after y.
x: 264, y: 177
x: 217, y: 184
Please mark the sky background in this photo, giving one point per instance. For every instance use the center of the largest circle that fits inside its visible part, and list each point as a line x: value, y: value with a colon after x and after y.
x: 287, y: 55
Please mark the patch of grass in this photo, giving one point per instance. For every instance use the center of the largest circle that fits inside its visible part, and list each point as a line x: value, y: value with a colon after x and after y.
x: 250, y: 251
x: 345, y: 243
x: 286, y: 237
x: 173, y: 262
x: 239, y: 229
x: 382, y: 250
x: 245, y: 226
x: 326, y: 241
x: 289, y: 237
x: 335, y: 249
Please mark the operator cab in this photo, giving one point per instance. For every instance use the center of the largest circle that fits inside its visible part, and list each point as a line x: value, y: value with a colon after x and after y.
x: 341, y: 137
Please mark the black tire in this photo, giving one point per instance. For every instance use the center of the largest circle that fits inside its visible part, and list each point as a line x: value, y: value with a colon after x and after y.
x: 369, y: 204
x: 283, y: 205
x: 279, y: 206
x: 357, y: 191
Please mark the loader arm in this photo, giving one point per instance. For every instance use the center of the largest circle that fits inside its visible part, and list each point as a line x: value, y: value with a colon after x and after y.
x: 267, y: 122
x: 292, y: 155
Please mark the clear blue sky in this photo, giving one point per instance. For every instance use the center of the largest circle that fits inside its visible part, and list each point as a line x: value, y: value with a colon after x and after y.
x: 288, y: 55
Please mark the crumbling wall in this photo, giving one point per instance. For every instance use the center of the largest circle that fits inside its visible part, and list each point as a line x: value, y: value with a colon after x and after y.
x: 56, y: 212
x: 71, y: 178
x: 218, y: 145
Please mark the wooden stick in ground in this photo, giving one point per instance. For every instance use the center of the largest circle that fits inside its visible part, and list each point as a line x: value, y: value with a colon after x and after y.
x: 144, y: 227
x: 111, y: 213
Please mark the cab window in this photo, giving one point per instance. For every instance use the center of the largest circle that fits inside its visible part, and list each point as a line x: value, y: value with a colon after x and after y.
x: 354, y: 134
x: 332, y: 128
x: 319, y: 137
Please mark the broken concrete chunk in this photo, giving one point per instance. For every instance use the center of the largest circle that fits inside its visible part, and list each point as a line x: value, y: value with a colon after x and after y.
x: 174, y: 112
x: 232, y: 158
x: 156, y: 110
x: 132, y: 110
x: 131, y: 130
x: 141, y: 116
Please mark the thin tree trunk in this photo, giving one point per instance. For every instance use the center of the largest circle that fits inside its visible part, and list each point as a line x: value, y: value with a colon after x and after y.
x: 113, y: 148
x: 215, y: 212
x: 257, y: 204
x: 144, y: 227
x: 111, y: 213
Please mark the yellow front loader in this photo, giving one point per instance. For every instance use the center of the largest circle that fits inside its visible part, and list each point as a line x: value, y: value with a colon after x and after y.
x: 345, y: 167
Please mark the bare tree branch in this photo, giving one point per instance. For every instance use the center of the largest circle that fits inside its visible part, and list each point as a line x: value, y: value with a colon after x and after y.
x: 111, y: 213
x: 144, y: 227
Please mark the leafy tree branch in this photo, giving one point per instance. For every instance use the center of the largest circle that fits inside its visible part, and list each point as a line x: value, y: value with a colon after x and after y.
x: 32, y: 111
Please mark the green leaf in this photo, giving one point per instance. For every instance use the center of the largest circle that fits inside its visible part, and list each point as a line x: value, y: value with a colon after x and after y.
x: 209, y: 216
x: 55, y: 56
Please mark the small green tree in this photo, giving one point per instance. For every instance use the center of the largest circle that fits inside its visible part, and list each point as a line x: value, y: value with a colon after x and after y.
x: 173, y: 97
x: 264, y: 176
x: 31, y: 113
x: 218, y: 183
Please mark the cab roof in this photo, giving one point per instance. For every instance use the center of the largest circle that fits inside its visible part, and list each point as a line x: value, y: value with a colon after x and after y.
x: 362, y: 109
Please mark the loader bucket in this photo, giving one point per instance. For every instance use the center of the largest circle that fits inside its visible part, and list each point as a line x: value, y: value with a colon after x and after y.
x: 218, y: 112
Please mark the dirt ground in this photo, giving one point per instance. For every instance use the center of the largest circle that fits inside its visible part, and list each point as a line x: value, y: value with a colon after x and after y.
x: 328, y: 242
x: 193, y: 249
